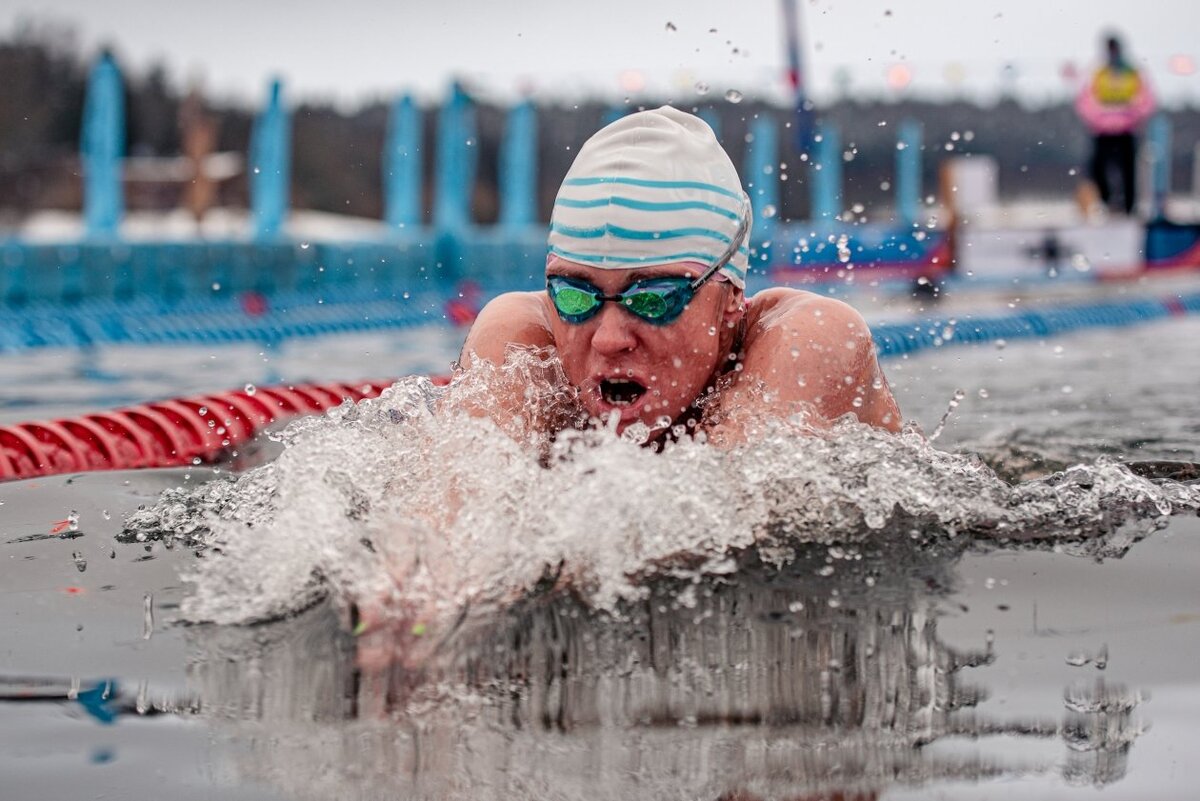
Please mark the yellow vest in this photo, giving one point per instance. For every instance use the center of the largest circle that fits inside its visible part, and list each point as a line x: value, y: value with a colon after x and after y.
x: 1116, y: 87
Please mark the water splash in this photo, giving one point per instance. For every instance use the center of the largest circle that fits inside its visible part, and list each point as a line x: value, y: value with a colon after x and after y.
x: 417, y: 505
x: 950, y: 407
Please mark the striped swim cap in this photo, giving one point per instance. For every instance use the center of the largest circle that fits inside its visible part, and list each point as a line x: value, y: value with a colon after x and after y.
x: 654, y: 187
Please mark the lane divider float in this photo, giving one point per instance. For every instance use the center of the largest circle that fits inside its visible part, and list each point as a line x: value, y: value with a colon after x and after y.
x: 178, y: 432
x: 207, y: 428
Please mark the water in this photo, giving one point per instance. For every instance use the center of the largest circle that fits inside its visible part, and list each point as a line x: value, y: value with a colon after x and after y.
x: 799, y: 617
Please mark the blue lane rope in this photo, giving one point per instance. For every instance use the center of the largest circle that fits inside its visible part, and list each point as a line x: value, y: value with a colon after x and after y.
x: 216, y: 321
x: 897, y: 339
x: 289, y: 315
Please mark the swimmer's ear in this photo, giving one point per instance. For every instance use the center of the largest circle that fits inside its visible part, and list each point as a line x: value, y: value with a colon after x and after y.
x: 735, y: 305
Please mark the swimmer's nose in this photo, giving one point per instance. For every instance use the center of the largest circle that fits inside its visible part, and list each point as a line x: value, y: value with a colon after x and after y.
x: 614, y: 331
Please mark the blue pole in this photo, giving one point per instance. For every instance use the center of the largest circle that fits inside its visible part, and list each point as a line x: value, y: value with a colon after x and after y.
x: 827, y: 173
x: 1159, y: 138
x: 457, y: 155
x: 762, y: 185
x: 101, y: 146
x: 612, y: 114
x: 270, y: 165
x: 518, y: 167
x: 714, y: 122
x: 908, y: 173
x: 802, y: 111
x: 402, y: 165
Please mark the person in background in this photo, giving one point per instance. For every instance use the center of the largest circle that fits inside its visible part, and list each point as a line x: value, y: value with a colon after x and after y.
x: 1113, y: 104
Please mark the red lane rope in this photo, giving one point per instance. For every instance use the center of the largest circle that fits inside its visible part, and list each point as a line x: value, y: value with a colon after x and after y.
x: 165, y: 433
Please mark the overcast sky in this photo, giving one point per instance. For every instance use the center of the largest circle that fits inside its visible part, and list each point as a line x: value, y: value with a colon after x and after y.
x: 355, y: 50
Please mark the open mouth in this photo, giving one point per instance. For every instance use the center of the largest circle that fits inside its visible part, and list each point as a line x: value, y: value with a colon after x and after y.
x: 621, y: 391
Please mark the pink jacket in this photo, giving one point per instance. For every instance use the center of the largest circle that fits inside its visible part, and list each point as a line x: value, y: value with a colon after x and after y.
x: 1115, y: 101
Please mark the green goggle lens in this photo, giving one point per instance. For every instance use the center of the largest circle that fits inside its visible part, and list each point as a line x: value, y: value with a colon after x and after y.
x: 648, y: 305
x: 573, y: 302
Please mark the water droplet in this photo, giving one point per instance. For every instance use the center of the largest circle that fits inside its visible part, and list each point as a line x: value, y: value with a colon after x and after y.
x: 701, y: 88
x: 250, y: 389
x: 769, y: 211
x: 304, y: 246
x: 941, y: 426
x: 843, y: 249
x: 73, y: 521
x: 712, y: 330
x: 733, y: 96
x: 216, y: 287
x: 80, y: 562
x: 147, y: 616
x: 104, y: 513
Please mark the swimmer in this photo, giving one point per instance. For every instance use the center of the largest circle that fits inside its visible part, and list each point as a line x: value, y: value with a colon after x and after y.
x: 645, y: 306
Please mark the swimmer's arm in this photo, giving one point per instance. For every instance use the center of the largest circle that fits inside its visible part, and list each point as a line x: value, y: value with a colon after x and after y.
x: 514, y: 318
x: 809, y: 349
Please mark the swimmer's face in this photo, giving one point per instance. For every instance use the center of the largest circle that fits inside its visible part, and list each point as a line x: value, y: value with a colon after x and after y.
x: 638, y: 369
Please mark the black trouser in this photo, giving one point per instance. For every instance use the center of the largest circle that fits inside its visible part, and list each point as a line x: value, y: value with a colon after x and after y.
x: 1119, y: 150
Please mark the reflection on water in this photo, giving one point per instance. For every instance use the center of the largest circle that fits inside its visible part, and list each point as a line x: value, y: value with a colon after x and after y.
x: 794, y: 682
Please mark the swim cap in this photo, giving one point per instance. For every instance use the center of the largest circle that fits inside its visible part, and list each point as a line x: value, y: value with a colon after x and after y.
x: 652, y: 188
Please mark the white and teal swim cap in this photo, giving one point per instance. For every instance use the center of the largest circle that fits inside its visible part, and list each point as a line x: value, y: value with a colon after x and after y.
x: 654, y: 187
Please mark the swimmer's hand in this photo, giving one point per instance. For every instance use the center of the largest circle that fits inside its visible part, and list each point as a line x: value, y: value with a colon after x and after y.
x: 393, y: 646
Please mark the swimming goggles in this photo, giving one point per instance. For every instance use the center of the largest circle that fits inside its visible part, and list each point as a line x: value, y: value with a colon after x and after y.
x: 656, y: 300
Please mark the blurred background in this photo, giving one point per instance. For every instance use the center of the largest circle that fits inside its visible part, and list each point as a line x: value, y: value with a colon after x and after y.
x: 984, y: 78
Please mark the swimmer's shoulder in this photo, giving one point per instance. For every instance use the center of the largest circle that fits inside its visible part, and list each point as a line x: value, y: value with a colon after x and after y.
x: 793, y: 334
x: 783, y: 306
x: 514, y: 318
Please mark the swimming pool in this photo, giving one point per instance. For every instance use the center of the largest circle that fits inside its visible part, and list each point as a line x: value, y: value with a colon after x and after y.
x: 969, y: 646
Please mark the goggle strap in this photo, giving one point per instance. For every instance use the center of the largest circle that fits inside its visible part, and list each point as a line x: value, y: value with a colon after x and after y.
x: 738, y: 236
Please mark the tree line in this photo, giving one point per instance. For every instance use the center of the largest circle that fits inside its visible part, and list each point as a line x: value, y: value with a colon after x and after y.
x: 337, y: 153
